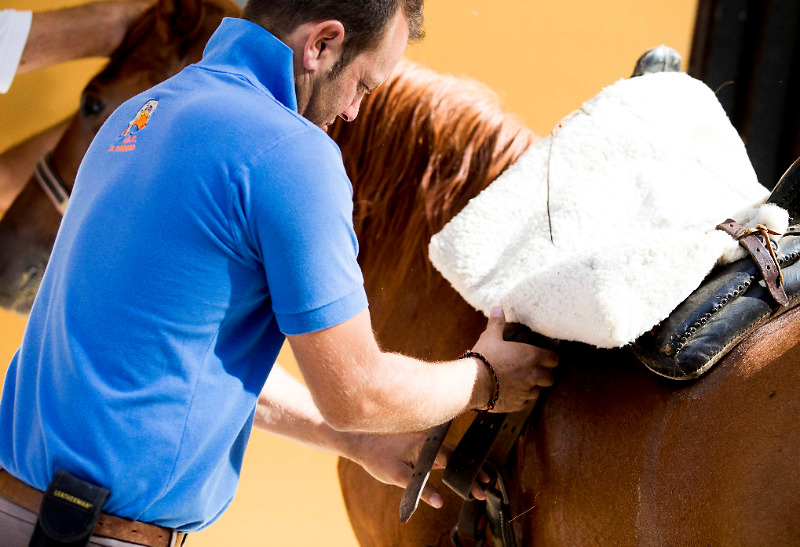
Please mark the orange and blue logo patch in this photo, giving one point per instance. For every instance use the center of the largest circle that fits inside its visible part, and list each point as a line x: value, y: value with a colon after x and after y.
x: 139, y: 122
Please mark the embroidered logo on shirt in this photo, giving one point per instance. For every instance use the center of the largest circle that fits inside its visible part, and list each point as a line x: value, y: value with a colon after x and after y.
x: 138, y: 123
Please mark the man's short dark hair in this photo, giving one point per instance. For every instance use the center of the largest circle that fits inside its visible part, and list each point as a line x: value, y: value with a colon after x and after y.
x: 364, y: 21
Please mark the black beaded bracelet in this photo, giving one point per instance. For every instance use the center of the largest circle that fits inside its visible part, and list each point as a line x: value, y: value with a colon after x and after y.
x: 486, y: 362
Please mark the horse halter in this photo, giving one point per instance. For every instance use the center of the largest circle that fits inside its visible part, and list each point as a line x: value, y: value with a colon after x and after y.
x: 51, y: 183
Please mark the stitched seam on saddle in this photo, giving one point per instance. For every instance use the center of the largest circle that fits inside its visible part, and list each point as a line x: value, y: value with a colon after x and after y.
x: 687, y: 335
x: 728, y: 344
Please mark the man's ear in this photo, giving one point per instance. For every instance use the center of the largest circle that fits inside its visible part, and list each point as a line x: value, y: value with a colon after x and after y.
x: 323, y: 45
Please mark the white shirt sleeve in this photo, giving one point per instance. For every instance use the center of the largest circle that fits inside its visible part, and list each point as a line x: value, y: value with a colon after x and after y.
x: 14, y: 28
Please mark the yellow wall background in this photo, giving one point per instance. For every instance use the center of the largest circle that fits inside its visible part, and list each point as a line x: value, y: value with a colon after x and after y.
x: 543, y: 57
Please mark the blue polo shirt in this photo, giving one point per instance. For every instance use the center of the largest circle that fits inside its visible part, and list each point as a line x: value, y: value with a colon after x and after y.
x: 208, y: 219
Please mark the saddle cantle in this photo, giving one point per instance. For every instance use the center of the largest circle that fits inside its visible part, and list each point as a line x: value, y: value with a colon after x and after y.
x: 731, y: 303
x: 786, y: 193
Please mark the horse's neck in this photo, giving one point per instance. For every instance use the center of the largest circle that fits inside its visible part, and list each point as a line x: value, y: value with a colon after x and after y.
x: 418, y: 313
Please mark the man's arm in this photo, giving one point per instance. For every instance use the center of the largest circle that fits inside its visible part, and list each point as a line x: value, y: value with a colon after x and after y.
x: 285, y: 408
x: 357, y: 387
x: 88, y: 30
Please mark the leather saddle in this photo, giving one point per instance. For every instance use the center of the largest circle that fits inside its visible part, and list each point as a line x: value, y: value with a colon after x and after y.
x: 734, y: 299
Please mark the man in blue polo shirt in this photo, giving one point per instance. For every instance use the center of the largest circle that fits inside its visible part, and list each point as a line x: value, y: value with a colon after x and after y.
x: 211, y: 218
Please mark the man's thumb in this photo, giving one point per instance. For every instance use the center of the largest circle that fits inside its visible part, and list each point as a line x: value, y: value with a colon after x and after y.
x: 497, y: 317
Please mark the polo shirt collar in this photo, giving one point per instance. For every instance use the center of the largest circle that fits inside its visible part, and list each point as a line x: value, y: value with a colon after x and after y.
x: 242, y: 47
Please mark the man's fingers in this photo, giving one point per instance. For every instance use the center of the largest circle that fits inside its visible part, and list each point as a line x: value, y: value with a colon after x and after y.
x: 431, y: 496
x: 443, y: 456
x: 545, y: 378
x: 547, y: 358
x: 477, y: 487
x: 477, y: 492
x: 533, y: 396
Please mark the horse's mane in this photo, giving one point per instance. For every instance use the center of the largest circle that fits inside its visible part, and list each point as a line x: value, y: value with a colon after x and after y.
x: 423, y: 144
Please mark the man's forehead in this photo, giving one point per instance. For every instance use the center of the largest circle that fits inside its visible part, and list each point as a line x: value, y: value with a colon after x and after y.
x: 390, y: 51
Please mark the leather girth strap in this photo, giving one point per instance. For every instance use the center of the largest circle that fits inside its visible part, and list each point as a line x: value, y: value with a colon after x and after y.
x: 486, y: 445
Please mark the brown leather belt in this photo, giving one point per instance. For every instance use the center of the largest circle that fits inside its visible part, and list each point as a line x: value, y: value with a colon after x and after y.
x: 110, y: 526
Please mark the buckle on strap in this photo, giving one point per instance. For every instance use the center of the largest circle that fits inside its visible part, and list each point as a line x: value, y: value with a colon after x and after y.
x: 760, y: 249
x: 69, y: 511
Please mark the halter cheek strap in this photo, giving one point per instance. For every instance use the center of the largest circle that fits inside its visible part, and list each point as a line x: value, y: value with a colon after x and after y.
x: 51, y: 183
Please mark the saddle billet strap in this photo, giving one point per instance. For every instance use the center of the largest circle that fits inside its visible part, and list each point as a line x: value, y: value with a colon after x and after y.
x: 422, y: 470
x: 470, y: 530
x: 52, y: 185
x: 466, y: 461
x: 498, y: 508
x: 486, y: 445
x: 489, y: 435
x: 764, y: 258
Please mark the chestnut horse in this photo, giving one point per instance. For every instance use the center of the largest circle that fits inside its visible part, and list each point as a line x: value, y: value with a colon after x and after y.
x: 168, y: 36
x: 614, y: 455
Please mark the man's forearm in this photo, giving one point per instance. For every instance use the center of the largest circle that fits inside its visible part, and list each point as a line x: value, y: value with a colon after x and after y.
x: 285, y: 408
x: 357, y: 387
x: 402, y: 394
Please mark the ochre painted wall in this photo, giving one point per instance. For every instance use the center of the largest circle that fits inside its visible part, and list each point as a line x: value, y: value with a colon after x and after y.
x: 543, y: 57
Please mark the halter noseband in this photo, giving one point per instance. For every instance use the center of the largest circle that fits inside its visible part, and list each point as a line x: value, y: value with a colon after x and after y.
x: 51, y: 183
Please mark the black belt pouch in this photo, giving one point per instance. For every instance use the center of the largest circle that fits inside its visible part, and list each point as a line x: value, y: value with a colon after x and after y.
x: 69, y: 512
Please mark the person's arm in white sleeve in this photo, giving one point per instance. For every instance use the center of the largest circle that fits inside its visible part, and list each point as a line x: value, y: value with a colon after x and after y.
x: 14, y: 29
x: 30, y: 41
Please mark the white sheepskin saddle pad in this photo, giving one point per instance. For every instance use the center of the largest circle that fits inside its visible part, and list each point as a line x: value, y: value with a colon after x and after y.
x: 601, y: 229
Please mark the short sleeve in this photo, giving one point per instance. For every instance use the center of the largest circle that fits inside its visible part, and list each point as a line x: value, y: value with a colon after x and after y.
x: 14, y: 28
x: 297, y: 208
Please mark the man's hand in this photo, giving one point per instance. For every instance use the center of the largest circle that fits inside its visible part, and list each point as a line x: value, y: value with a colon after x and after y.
x: 391, y: 458
x: 522, y: 370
